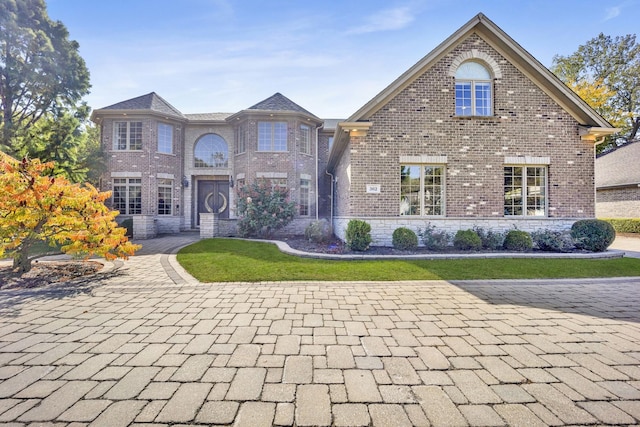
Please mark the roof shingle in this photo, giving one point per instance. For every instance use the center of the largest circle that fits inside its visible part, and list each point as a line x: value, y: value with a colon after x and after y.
x: 619, y: 167
x: 279, y: 102
x: 151, y: 101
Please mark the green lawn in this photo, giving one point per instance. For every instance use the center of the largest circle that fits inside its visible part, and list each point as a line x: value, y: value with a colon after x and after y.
x: 229, y: 260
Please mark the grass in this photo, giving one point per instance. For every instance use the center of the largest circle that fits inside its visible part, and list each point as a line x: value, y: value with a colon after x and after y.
x: 229, y: 260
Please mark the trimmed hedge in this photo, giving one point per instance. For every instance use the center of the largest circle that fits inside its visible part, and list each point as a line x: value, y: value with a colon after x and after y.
x: 518, y: 240
x: 358, y: 235
x: 624, y: 225
x: 404, y: 239
x: 467, y: 240
x: 593, y: 235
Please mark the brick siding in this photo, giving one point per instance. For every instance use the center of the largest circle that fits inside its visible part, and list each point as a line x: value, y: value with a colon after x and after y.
x: 420, y: 120
x: 618, y: 202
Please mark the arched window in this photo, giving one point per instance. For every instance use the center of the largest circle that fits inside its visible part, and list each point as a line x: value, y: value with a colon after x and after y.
x: 473, y: 90
x: 211, y: 151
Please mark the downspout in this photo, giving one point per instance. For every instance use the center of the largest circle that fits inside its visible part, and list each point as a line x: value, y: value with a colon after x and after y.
x: 332, y: 198
x: 595, y: 188
x: 317, y: 157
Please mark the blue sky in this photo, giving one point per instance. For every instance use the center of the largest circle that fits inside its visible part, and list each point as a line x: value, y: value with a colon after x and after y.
x: 331, y: 57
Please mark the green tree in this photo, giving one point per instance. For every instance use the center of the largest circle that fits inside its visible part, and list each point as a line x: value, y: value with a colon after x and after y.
x: 66, y: 139
x: 609, y: 68
x: 41, y: 71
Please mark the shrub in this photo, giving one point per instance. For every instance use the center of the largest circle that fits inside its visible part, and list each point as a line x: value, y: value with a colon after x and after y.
x: 517, y: 240
x: 318, y: 231
x: 262, y: 209
x: 467, y: 240
x: 553, y: 241
x: 490, y: 239
x: 434, y: 240
x: 594, y: 235
x: 404, y: 239
x: 358, y: 235
x: 624, y: 225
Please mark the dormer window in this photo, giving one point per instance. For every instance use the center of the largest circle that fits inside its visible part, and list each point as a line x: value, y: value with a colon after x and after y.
x: 473, y: 90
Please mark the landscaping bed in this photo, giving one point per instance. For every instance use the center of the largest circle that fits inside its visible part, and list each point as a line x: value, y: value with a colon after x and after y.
x: 45, y: 273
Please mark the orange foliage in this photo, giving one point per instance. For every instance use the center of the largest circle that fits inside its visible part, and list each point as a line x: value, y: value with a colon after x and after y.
x: 37, y: 207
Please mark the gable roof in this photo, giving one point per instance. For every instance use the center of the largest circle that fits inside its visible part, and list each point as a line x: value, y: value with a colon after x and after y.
x: 151, y: 102
x: 619, y: 167
x: 592, y: 124
x: 509, y: 48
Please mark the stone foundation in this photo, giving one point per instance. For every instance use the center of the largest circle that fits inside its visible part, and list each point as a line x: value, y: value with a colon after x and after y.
x: 144, y: 227
x: 382, y: 228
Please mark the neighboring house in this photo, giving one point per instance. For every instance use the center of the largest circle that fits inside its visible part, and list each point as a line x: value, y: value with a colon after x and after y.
x: 618, y: 182
x: 477, y: 133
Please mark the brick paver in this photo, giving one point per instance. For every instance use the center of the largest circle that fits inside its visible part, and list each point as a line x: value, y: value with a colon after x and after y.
x: 149, y: 345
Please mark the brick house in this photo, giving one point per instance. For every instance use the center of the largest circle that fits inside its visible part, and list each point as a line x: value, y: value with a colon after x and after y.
x: 477, y: 133
x: 166, y: 169
x: 618, y: 182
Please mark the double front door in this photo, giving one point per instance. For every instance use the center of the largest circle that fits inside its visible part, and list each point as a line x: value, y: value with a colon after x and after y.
x: 213, y: 197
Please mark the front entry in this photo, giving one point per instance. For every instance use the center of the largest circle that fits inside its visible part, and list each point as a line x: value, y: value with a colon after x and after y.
x: 213, y: 197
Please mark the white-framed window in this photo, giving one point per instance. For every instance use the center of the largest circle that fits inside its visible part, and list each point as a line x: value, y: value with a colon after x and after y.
x: 305, y: 139
x: 127, y: 136
x: 165, y: 138
x: 241, y: 141
x: 422, y: 190
x: 272, y: 136
x: 165, y: 196
x: 473, y: 90
x: 127, y: 195
x: 274, y: 183
x: 525, y: 190
x: 304, y: 204
x: 211, y: 151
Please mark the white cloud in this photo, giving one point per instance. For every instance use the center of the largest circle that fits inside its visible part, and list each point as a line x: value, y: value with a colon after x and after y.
x: 385, y: 20
x: 612, y: 12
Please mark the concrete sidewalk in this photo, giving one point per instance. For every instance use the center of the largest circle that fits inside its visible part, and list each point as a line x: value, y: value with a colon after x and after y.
x: 630, y: 244
x: 145, y: 345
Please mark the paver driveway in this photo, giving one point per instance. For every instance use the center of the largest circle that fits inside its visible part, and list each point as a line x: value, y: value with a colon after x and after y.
x: 145, y: 346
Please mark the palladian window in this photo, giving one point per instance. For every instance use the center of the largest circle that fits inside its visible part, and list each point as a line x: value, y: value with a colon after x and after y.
x: 211, y: 151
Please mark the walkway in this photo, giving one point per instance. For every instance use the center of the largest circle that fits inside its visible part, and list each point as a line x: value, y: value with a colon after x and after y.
x: 146, y: 345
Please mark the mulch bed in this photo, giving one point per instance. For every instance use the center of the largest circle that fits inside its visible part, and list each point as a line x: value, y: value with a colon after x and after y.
x: 46, y: 273
x: 336, y: 246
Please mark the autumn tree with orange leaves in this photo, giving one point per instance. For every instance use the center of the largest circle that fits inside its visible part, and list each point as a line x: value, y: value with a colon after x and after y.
x: 36, y: 207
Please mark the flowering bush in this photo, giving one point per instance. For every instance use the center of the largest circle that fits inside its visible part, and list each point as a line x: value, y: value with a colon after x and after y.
x: 262, y: 209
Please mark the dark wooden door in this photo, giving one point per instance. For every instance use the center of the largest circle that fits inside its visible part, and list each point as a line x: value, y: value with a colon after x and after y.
x: 213, y: 197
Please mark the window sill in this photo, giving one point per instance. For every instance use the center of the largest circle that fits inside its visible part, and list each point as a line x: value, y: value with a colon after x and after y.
x: 476, y: 117
x: 532, y: 217
x: 270, y: 152
x: 166, y: 154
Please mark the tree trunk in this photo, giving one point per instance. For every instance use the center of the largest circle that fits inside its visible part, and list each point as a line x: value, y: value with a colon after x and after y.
x: 634, y: 129
x: 21, y: 262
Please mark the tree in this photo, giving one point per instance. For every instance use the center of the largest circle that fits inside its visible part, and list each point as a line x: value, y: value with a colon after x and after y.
x: 67, y: 140
x: 262, y: 209
x: 41, y: 71
x: 36, y: 207
x: 612, y: 64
